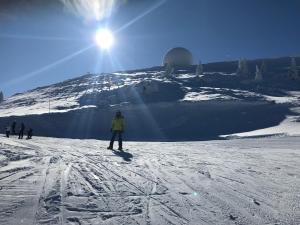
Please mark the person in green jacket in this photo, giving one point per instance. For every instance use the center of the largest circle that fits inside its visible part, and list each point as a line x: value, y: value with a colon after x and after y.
x: 117, y: 128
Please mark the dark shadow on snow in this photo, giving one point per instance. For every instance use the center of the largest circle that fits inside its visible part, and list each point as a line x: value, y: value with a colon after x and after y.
x: 178, y: 121
x: 126, y: 156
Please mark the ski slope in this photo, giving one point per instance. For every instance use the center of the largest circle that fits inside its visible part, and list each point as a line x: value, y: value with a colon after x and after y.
x: 170, y: 108
x: 78, y: 182
x: 118, y: 89
x: 181, y: 106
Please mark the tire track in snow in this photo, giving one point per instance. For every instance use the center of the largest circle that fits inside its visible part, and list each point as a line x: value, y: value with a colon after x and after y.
x: 152, y: 196
x: 153, y: 190
x: 180, y: 180
x: 63, y: 187
x: 23, y: 182
x: 174, y: 212
x: 60, y: 182
x: 50, y: 207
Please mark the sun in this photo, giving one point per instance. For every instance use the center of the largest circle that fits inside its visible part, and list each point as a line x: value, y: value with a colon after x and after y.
x: 104, y: 38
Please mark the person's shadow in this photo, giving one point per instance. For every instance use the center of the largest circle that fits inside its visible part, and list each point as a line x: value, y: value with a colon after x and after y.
x: 126, y: 156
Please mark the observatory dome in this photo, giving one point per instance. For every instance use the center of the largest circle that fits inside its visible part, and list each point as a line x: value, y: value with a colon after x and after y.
x: 178, y: 57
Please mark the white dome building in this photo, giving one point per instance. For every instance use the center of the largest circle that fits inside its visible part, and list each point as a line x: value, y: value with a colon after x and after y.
x: 178, y: 57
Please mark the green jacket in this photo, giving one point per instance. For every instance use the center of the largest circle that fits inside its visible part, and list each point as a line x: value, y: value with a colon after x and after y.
x: 118, y: 124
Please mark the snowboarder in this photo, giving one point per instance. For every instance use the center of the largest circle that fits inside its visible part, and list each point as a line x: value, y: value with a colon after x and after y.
x: 7, y: 131
x: 21, y: 133
x: 117, y: 128
x: 13, y: 127
x: 29, y: 134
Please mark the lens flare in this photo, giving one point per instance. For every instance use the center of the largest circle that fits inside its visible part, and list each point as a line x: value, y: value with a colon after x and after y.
x: 91, y: 10
x: 104, y: 38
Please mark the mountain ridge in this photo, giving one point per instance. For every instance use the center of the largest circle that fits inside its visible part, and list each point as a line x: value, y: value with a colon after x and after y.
x: 151, y: 94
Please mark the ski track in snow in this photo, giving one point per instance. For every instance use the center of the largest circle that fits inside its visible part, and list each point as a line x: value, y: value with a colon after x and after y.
x: 48, y: 181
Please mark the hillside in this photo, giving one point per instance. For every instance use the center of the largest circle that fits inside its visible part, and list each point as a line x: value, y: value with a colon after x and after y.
x: 182, y: 106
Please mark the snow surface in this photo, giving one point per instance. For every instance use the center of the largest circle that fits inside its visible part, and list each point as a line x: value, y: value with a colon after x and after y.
x: 292, y: 97
x: 203, y: 96
x: 66, y: 96
x: 63, y: 181
x: 290, y: 126
x: 100, y: 94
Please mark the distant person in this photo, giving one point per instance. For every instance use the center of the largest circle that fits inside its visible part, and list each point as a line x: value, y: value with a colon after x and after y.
x: 13, y: 128
x: 117, y: 128
x: 7, y: 131
x: 21, y: 133
x: 29, y: 134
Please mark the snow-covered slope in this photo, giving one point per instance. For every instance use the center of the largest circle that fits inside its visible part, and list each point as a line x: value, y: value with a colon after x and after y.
x: 163, y: 104
x: 151, y: 86
x: 47, y: 181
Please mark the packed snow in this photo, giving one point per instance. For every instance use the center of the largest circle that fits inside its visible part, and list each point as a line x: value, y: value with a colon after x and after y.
x: 63, y: 181
x: 231, y: 178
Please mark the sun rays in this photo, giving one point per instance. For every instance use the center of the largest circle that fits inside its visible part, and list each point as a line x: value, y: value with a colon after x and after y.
x: 48, y: 67
x: 104, y: 38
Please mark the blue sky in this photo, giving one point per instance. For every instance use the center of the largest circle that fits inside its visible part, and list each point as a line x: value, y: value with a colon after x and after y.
x: 44, y: 43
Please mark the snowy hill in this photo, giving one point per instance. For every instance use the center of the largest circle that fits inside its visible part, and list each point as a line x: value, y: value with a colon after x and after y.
x: 182, y: 106
x: 48, y: 181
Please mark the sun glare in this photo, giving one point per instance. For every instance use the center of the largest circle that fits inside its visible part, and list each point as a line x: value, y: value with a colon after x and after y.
x: 104, y: 38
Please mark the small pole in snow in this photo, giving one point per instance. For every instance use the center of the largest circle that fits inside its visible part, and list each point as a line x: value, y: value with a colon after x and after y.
x: 49, y: 105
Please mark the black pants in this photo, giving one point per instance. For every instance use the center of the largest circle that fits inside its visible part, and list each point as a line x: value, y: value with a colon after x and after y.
x: 115, y: 133
x: 21, y: 134
x: 29, y: 135
x: 7, y: 134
